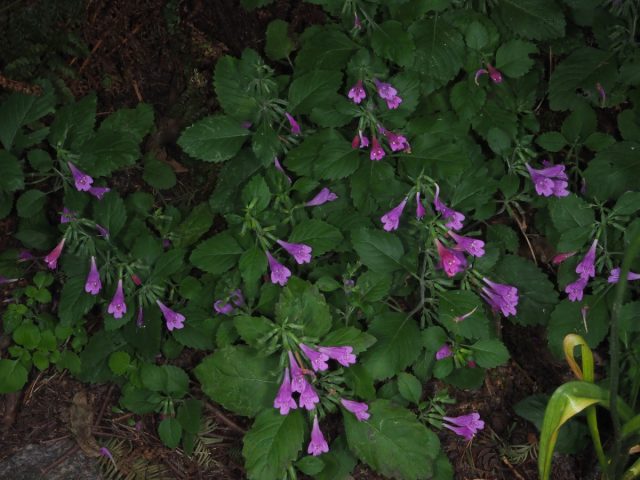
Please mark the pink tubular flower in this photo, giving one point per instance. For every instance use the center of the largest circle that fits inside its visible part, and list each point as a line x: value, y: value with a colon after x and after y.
x: 357, y: 24
x: 460, y: 318
x: 118, y: 307
x: 318, y: 445
x: 575, y: 290
x: 343, y: 355
x: 377, y: 152
x: 278, y: 166
x: 478, y: 74
x: 397, y: 142
x: 420, y: 211
x: 25, y: 256
x: 66, y: 216
x: 308, y: 396
x: 225, y: 308
x: 465, y: 425
x: 357, y: 92
x: 136, y: 280
x: 299, y: 251
x: 93, y: 283
x: 99, y: 192
x: 550, y: 181
x: 451, y: 261
x: 325, y: 195
x: 104, y: 451
x: 82, y: 180
x: 394, y: 103
x: 614, y: 276
x: 318, y: 359
x: 284, y: 400
x: 359, y: 140
x: 561, y: 257
x: 455, y: 218
x: 52, y: 259
x: 391, y: 219
x: 501, y: 297
x: 385, y: 90
x: 472, y: 246
x: 444, y: 352
x: 140, y: 318
x: 494, y: 74
x: 279, y: 273
x: 295, y: 128
x: 359, y: 409
x: 297, y: 378
x: 587, y: 266
x: 172, y: 319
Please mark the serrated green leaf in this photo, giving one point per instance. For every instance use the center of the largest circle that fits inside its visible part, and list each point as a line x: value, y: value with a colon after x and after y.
x: 111, y: 213
x: 552, y: 141
x: 231, y: 80
x: 213, y: 139
x: 337, y: 159
x: 359, y: 340
x: 321, y: 236
x: 613, y: 171
x: 217, y: 254
x: 454, y: 305
x: 13, y: 376
x: 257, y: 193
x: 380, y: 251
x: 390, y: 40
x: 512, y: 58
x: 170, y: 432
x: 467, y: 99
x: 302, y: 303
x: 11, y: 175
x: 30, y: 203
x: 567, y: 318
x: 533, y: 19
x: 20, y: 109
x: 313, y: 89
x: 490, y: 353
x: 158, y: 174
x: 278, y: 45
x: 409, y: 387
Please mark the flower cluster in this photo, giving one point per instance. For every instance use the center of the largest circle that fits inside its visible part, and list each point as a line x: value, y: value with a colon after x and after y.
x: 586, y: 269
x: 295, y: 381
x: 300, y: 252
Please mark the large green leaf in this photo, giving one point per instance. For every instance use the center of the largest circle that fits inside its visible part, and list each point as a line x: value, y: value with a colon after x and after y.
x: 278, y: 45
x: 574, y: 219
x: 567, y: 318
x: 533, y: 19
x: 302, y: 303
x: 239, y: 379
x: 512, y: 58
x: 217, y: 254
x: 324, y: 47
x: 11, y: 175
x: 13, y: 376
x: 613, y: 171
x: 231, y: 80
x: 20, y: 109
x: 74, y: 123
x: 453, y: 305
x: 378, y: 250
x: 111, y: 213
x: 398, y: 345
x: 213, y: 139
x: 313, y: 89
x: 490, y: 353
x: 337, y: 159
x: 390, y: 40
x: 321, y: 236
x: 273, y: 442
x: 393, y: 442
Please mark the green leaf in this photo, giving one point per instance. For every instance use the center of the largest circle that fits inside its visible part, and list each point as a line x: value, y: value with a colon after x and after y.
x: 378, y: 250
x: 337, y: 159
x: 467, y: 99
x: 239, y: 379
x: 359, y: 340
x: 136, y: 122
x: 30, y: 203
x: 310, y: 465
x: 627, y: 204
x: 231, y: 80
x: 111, y: 213
x: 168, y: 264
x: 567, y: 318
x: 213, y: 139
x: 321, y: 236
x: 119, y: 362
x: 170, y: 432
x: 613, y: 171
x: 476, y: 35
x: 490, y: 353
x: 11, y: 176
x: 512, y: 58
x: 256, y: 192
x: 278, y: 45
x: 398, y: 345
x: 74, y: 123
x: 313, y: 89
x: 537, y: 295
x: 20, y: 109
x: 253, y: 329
x: 107, y: 151
x: 455, y: 304
x: 302, y: 303
x: 273, y: 442
x: 158, y: 174
x: 338, y: 462
x: 533, y: 19
x: 190, y: 415
x: 324, y: 47
x: 409, y: 387
x: 74, y: 302
x: 574, y: 219
x: 252, y: 265
x: 217, y: 254
x: 390, y: 40
x: 194, y: 226
x: 581, y: 123
x: 27, y: 335
x: 392, y: 442
x: 552, y: 141
x: 13, y: 376
x: 40, y: 160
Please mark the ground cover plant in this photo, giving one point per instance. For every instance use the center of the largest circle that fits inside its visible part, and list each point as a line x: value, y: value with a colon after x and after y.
x: 395, y: 186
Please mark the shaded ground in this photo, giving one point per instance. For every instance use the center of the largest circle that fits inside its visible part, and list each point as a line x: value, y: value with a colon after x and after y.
x: 163, y: 52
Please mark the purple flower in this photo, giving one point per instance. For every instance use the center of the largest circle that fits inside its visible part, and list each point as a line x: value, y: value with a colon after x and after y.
x: 343, y: 355
x: 357, y: 24
x: 359, y: 409
x: 295, y: 128
x: 104, y: 451
x: 276, y: 162
x: 99, y: 192
x: 451, y: 261
x: 225, y: 308
x: 561, y: 257
x: 385, y: 90
x: 575, y: 290
x: 614, y: 276
x: 82, y: 180
x: 443, y: 352
x: 325, y: 195
x: 52, y: 259
x: 172, y: 319
x: 391, y: 219
x: 357, y: 93
x: 472, y: 246
x: 93, y: 283
x: 299, y: 251
x: 118, y: 307
x: 420, y: 211
x: 377, y: 152
x: 140, y: 318
x: 279, y: 273
x: 478, y: 74
x: 318, y: 359
x: 602, y: 93
x: 102, y: 232
x: 284, y: 400
x: 460, y: 318
x: 494, y: 74
x: 25, y: 255
x: 359, y: 141
x: 66, y: 216
x: 308, y: 396
x: 397, y: 142
x: 394, y: 103
x: 318, y: 445
x: 465, y: 425
x: 297, y: 377
x: 550, y: 181
x: 455, y: 218
x: 587, y: 266
x: 500, y: 297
